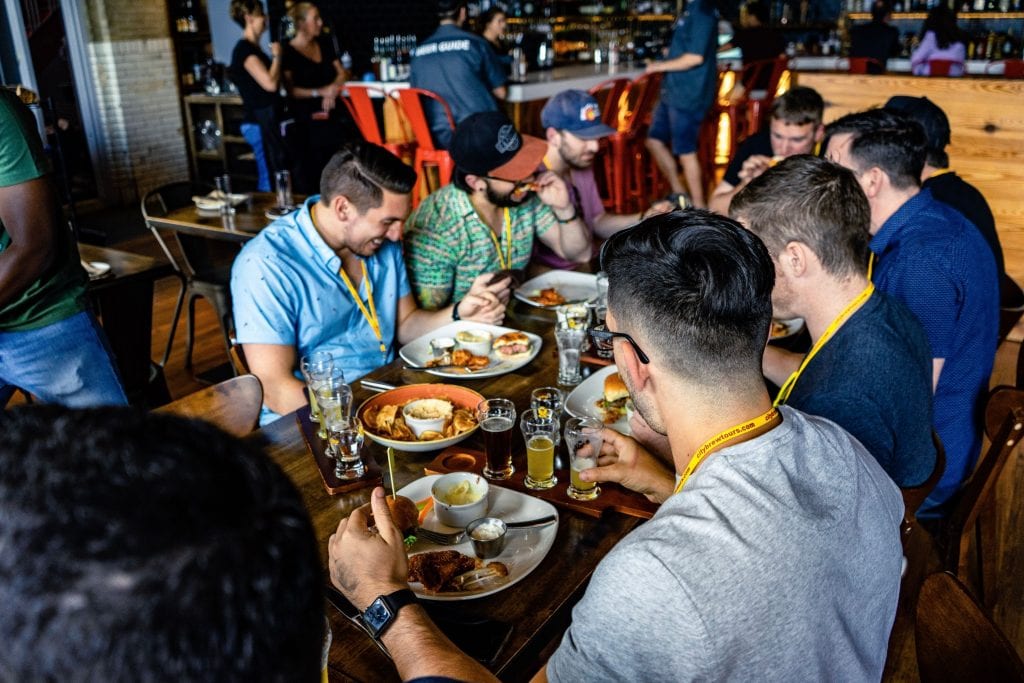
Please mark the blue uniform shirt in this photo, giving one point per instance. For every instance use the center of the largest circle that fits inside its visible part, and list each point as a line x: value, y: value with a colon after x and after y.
x: 696, y: 32
x: 462, y: 68
x: 286, y: 290
x: 933, y: 260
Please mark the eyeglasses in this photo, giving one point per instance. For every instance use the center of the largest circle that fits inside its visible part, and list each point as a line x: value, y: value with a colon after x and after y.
x: 602, y: 335
x: 519, y: 187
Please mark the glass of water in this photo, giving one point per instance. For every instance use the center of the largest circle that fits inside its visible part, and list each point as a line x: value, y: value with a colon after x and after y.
x: 583, y: 439
x: 570, y: 345
x: 334, y: 398
x: 346, y: 444
x: 283, y: 185
x: 316, y: 367
x: 223, y: 185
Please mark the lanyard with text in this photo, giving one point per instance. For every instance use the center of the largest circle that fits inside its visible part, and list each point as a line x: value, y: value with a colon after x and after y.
x: 506, y: 262
x: 371, y: 314
x: 758, y: 425
x: 833, y: 326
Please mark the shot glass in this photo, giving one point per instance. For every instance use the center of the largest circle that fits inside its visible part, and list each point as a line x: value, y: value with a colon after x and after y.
x: 570, y: 345
x: 602, y: 290
x: 345, y: 439
x: 583, y: 439
x: 548, y: 402
x: 315, y: 368
x: 334, y: 398
x: 497, y: 417
x: 539, y: 430
x: 573, y: 315
x: 223, y: 185
x: 283, y: 186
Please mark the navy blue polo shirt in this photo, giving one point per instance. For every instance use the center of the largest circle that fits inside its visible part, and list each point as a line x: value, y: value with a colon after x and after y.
x: 933, y: 260
x: 696, y: 32
x: 462, y: 68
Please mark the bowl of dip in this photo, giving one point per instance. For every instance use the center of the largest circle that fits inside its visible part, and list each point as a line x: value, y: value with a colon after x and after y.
x: 477, y: 342
x: 427, y: 415
x: 459, y: 498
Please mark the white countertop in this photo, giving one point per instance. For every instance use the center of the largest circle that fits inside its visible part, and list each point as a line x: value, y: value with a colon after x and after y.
x: 895, y: 65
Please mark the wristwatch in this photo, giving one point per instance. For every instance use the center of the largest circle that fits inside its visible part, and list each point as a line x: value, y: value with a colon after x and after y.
x: 382, y: 612
x: 316, y: 92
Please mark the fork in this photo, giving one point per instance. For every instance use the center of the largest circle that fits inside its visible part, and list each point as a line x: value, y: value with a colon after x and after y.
x: 456, y: 537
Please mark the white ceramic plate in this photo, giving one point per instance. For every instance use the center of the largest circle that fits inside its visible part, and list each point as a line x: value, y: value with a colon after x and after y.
x: 575, y: 287
x: 460, y: 397
x: 525, y: 550
x: 96, y: 269
x: 792, y: 326
x: 581, y: 401
x: 418, y: 352
x: 213, y: 201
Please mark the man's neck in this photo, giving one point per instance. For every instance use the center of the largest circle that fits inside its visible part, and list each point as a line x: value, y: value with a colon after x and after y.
x: 554, y: 162
x: 928, y: 171
x: 489, y: 213
x: 332, y: 234
x: 886, y: 203
x: 826, y: 298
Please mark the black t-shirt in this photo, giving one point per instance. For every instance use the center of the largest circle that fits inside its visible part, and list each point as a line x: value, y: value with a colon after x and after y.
x: 876, y: 40
x: 951, y: 189
x: 253, y: 95
x: 752, y: 146
x: 308, y: 74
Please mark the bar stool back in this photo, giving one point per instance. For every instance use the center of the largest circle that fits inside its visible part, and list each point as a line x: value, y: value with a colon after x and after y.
x: 361, y: 101
x: 427, y: 153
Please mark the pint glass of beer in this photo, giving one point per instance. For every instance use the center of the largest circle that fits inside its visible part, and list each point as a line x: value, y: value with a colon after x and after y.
x: 497, y: 417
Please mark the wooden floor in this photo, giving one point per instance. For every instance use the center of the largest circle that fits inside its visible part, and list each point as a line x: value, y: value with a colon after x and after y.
x: 209, y: 353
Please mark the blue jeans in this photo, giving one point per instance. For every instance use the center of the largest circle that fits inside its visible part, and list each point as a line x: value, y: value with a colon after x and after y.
x: 67, y: 362
x: 251, y: 133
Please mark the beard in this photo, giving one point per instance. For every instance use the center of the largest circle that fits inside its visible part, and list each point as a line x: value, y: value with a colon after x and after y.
x: 644, y: 406
x: 579, y: 162
x: 505, y: 201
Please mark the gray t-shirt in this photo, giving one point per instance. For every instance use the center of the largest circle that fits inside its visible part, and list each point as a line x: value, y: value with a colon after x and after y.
x: 779, y: 560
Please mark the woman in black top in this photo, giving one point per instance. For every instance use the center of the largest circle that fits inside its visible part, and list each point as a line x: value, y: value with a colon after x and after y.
x: 314, y: 79
x: 258, y: 78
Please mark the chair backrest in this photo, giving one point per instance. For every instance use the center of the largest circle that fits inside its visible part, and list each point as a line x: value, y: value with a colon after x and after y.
x: 359, y: 100
x: 865, y: 65
x: 196, y: 257
x: 956, y: 641
x: 763, y: 74
x: 233, y: 405
x: 914, y: 496
x: 607, y: 94
x: 1004, y: 424
x: 940, y: 67
x: 412, y: 107
x: 642, y: 94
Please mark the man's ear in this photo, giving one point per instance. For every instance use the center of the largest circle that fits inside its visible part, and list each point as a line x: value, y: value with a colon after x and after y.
x: 872, y: 181
x: 638, y: 372
x: 796, y: 258
x: 475, y: 182
x: 819, y: 134
x: 342, y: 208
x: 552, y: 135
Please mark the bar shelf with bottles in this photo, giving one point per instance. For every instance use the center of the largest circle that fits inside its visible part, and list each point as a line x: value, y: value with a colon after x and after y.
x: 190, y: 34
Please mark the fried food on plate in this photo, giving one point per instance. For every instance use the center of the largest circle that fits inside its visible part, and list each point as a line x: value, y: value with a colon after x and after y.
x: 439, y: 570
x: 387, y: 421
x: 548, y: 297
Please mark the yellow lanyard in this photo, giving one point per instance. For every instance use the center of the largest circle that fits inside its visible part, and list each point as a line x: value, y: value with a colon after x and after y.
x: 505, y: 263
x: 833, y: 326
x: 943, y: 171
x: 371, y: 314
x: 722, y: 439
x: 871, y: 265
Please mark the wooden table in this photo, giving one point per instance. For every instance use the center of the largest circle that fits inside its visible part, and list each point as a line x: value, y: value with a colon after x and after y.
x: 539, y: 607
x: 124, y: 303
x: 249, y: 219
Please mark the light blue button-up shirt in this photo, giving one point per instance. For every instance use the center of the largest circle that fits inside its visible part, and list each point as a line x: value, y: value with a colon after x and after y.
x: 286, y: 290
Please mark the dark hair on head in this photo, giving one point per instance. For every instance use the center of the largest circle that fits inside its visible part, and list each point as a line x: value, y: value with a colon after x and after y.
x: 799, y: 106
x: 812, y: 201
x: 361, y: 171
x: 487, y: 17
x: 890, y: 141
x: 150, y: 547
x: 459, y: 180
x: 937, y: 158
x: 880, y: 9
x: 449, y: 9
x: 240, y: 8
x: 941, y: 20
x: 760, y: 10
x: 696, y: 287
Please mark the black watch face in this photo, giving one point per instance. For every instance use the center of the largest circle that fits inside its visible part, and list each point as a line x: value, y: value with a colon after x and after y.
x: 377, y: 615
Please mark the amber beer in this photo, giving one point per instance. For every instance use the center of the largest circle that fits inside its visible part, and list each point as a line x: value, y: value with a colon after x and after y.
x: 498, y: 446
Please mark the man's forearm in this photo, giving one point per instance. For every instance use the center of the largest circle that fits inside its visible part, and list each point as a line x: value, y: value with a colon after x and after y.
x: 607, y: 224
x: 19, y: 270
x: 721, y: 198
x: 283, y: 395
x: 683, y: 62
x: 779, y: 364
x: 421, y: 321
x: 419, y: 649
x: 574, y: 240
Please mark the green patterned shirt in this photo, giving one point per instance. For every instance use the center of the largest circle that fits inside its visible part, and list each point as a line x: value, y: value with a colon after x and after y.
x: 447, y: 245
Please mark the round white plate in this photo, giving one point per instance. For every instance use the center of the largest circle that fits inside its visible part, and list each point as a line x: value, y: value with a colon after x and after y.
x: 417, y: 352
x: 525, y: 550
x: 460, y: 396
x: 792, y: 326
x: 97, y: 269
x: 581, y: 401
x: 574, y: 287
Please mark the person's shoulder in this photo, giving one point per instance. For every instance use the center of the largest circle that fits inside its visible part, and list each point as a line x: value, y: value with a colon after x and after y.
x: 886, y: 337
x: 757, y: 143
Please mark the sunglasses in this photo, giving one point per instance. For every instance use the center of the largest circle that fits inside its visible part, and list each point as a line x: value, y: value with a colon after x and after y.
x: 603, y: 337
x: 519, y: 187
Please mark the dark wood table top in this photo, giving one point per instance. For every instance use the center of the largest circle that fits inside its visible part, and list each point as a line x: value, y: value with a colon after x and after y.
x: 538, y: 607
x: 124, y: 266
x: 249, y: 219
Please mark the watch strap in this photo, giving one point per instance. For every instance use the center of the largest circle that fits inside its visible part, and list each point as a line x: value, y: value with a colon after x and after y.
x: 393, y: 602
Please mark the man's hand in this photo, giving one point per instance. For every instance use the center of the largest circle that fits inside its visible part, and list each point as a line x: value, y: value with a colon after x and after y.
x: 483, y: 308
x: 551, y: 190
x: 753, y: 167
x: 494, y: 283
x: 624, y: 461
x: 364, y: 562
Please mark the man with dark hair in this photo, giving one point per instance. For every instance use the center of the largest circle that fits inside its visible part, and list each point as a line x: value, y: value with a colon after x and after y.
x: 943, y: 182
x: 869, y: 370
x: 50, y: 342
x: 152, y: 548
x: 331, y: 277
x: 876, y: 39
x: 459, y: 66
x: 794, y: 128
x: 932, y: 259
x: 489, y: 218
x: 769, y: 501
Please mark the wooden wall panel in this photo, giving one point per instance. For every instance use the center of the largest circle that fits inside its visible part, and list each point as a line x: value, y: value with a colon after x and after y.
x: 987, y: 120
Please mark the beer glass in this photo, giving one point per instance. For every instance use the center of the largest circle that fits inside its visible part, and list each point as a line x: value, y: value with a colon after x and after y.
x: 548, y: 401
x: 569, y: 339
x: 283, y: 185
x: 334, y: 398
x: 315, y: 368
x: 497, y: 417
x: 345, y: 442
x: 223, y: 185
x: 583, y: 439
x: 539, y: 429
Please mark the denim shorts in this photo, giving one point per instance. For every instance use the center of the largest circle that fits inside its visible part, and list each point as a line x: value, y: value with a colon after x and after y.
x: 67, y: 362
x: 677, y: 128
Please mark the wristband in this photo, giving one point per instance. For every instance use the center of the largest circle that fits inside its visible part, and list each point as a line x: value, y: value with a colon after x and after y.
x: 316, y: 92
x: 570, y: 219
x: 455, y: 310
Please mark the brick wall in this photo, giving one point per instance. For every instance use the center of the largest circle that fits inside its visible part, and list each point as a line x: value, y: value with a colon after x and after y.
x: 134, y: 77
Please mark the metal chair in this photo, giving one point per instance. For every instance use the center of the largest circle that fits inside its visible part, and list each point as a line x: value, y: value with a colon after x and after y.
x: 608, y: 94
x: 1012, y: 68
x: 914, y: 496
x: 942, y: 67
x: 361, y: 101
x: 233, y: 405
x: 865, y: 65
x: 631, y: 171
x: 956, y: 641
x: 200, y: 273
x: 427, y: 153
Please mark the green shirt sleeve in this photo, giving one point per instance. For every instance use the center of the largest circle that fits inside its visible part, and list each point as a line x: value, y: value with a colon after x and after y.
x: 429, y: 254
x: 21, y: 151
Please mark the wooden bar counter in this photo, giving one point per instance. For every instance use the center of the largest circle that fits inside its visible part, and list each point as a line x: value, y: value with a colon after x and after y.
x: 986, y: 119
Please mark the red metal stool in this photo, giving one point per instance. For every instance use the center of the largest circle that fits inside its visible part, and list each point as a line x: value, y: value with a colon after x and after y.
x: 609, y: 97
x: 1012, y: 68
x: 359, y: 99
x: 634, y: 175
x: 865, y: 65
x: 427, y: 154
x: 941, y: 67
